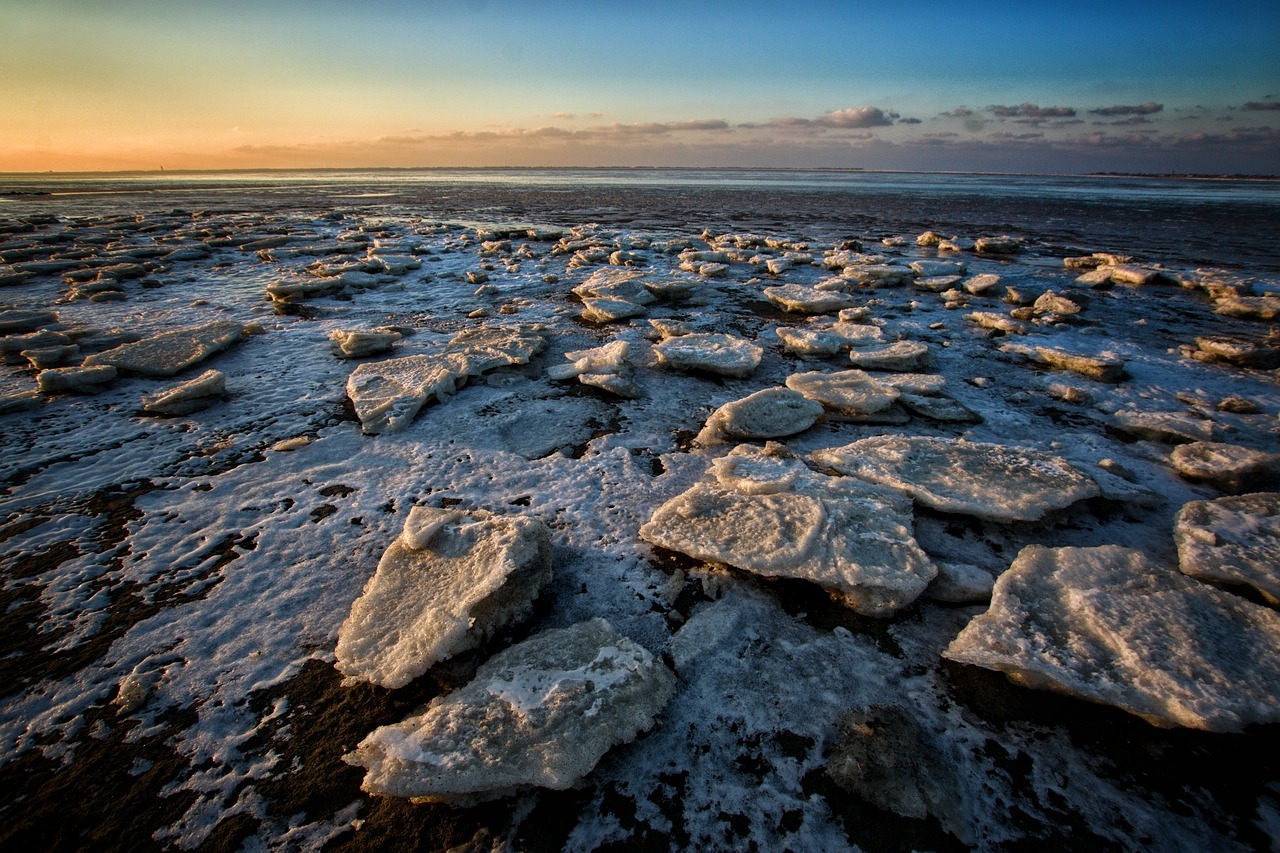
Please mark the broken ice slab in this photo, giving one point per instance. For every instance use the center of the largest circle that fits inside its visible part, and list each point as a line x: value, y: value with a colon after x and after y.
x: 604, y: 367
x: 388, y: 394
x: 1103, y: 367
x: 800, y: 299
x: 1232, y: 540
x: 727, y: 355
x: 851, y: 392
x: 768, y: 514
x: 769, y: 413
x: 542, y: 713
x: 170, y: 352
x: 448, y: 582
x: 901, y: 356
x: 992, y: 481
x: 75, y: 380
x: 362, y: 343
x: 1107, y: 625
x: 187, y: 397
x: 1229, y: 467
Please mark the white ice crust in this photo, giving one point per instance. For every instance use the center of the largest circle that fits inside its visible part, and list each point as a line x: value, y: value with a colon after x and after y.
x: 449, y: 581
x: 1232, y: 540
x: 992, y: 481
x: 1107, y: 625
x: 170, y: 352
x: 768, y: 413
x: 541, y: 713
x: 771, y: 516
x: 724, y: 354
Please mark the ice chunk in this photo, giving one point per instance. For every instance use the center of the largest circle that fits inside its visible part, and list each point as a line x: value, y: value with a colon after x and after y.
x: 727, y: 355
x: 1228, y: 466
x: 16, y: 321
x: 361, y: 343
x: 447, y: 583
x: 997, y: 322
x: 76, y: 380
x: 1234, y: 351
x: 961, y: 583
x: 1103, y: 368
x: 1107, y: 625
x: 770, y: 413
x: 935, y: 269
x: 798, y: 298
x: 1170, y: 427
x: 849, y: 537
x: 1249, y: 307
x: 388, y: 394
x: 170, y: 352
x: 992, y: 481
x: 850, y: 392
x: 486, y: 348
x: 624, y: 285
x: 1051, y: 302
x: 939, y: 407
x: 826, y: 340
x: 187, y: 397
x: 1232, y: 540
x: 979, y: 284
x: 901, y: 356
x: 42, y: 358
x: 1002, y: 245
x: 541, y: 713
x: 604, y: 367
x: 605, y: 310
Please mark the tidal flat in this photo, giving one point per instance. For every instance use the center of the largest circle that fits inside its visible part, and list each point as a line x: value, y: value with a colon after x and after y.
x: 648, y: 509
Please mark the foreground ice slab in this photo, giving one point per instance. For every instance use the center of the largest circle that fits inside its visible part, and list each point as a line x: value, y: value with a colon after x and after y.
x: 992, y: 481
x: 604, y: 367
x: 770, y: 413
x: 542, y: 713
x: 850, y: 392
x: 187, y: 397
x: 768, y: 514
x: 388, y: 394
x: 1107, y: 625
x: 448, y: 582
x: 727, y: 355
x: 170, y: 352
x: 1232, y: 540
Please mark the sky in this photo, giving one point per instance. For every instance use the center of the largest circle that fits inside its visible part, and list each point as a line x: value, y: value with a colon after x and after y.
x: 1031, y: 86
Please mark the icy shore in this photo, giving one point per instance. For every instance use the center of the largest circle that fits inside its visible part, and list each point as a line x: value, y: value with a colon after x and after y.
x: 787, y: 472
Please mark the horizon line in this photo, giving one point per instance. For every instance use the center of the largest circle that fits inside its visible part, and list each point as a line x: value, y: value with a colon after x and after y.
x: 562, y: 168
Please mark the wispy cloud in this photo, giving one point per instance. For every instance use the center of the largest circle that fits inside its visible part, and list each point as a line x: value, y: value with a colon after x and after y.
x: 1259, y: 106
x: 1149, y: 108
x: 849, y: 117
x: 1029, y: 110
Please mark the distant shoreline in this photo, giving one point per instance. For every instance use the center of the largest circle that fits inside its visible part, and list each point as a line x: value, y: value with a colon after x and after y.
x: 151, y: 173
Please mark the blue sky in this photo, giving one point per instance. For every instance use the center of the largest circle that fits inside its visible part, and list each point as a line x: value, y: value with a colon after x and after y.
x: 992, y: 86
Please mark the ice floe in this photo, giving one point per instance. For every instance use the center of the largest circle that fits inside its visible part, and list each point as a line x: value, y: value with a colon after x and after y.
x: 992, y: 481
x: 449, y: 581
x: 769, y: 413
x: 1232, y: 540
x: 713, y: 352
x: 170, y: 352
x: 187, y: 397
x: 539, y: 714
x: 1108, y: 625
x: 850, y: 537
